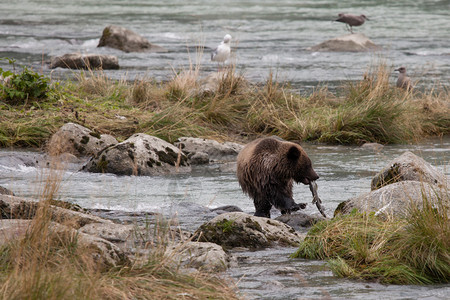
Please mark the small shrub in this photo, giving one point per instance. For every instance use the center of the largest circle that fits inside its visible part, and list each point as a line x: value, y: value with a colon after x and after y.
x: 18, y: 88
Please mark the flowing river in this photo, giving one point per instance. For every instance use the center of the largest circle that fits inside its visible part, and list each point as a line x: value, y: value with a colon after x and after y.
x: 267, y: 36
x: 345, y: 171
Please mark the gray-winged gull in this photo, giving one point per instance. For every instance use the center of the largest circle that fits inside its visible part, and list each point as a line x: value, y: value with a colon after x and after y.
x: 403, y: 80
x: 223, y: 51
x: 351, y: 20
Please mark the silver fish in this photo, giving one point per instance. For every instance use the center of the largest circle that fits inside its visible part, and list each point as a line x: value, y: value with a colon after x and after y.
x: 316, y: 200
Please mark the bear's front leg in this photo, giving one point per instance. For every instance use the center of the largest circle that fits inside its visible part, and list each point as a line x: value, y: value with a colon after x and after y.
x: 293, y: 208
x: 287, y: 205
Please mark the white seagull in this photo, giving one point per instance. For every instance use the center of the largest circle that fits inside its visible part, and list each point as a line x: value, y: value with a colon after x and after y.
x: 223, y: 51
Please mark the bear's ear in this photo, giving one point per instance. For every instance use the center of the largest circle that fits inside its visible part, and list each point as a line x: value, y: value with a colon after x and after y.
x: 293, y: 153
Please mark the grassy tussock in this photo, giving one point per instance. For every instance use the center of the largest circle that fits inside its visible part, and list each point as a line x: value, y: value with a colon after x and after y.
x: 406, y: 251
x: 48, y: 262
x: 224, y: 106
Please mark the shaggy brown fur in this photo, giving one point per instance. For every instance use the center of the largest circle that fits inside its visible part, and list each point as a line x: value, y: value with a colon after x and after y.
x: 266, y: 170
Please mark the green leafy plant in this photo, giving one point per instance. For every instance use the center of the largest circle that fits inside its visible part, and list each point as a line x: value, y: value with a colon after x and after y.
x: 18, y: 88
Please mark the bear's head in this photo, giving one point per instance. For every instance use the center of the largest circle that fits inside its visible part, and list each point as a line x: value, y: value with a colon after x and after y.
x: 298, y: 164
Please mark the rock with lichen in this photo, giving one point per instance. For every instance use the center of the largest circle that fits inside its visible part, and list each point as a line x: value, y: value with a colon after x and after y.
x: 78, y: 140
x: 141, y: 154
x: 237, y: 229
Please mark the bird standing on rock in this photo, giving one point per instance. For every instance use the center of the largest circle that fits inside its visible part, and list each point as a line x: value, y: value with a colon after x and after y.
x: 351, y: 20
x: 223, y: 51
x: 403, y: 80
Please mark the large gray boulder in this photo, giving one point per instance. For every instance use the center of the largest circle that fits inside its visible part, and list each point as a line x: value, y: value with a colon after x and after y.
x: 126, y: 40
x: 78, y: 140
x: 85, y: 61
x: 356, y: 42
x: 204, y: 256
x: 214, y: 150
x: 408, y: 166
x: 141, y: 154
x: 237, y: 229
x: 395, y: 199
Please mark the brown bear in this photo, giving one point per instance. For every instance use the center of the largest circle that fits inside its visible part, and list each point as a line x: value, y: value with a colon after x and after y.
x: 266, y: 169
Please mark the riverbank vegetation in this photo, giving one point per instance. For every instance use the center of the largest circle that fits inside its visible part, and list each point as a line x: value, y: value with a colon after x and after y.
x: 412, y: 250
x: 224, y: 106
x: 44, y: 260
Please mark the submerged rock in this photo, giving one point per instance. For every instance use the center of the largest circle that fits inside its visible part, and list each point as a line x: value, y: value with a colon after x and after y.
x: 126, y: 40
x: 237, y: 229
x: 298, y: 220
x: 78, y: 140
x: 356, y: 42
x: 141, y: 154
x: 226, y: 208
x: 408, y: 166
x: 215, y: 151
x: 394, y: 199
x: 375, y: 147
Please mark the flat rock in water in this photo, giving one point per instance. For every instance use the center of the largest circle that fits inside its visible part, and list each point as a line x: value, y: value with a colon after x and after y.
x: 78, y: 140
x: 141, y: 155
x: 85, y: 61
x: 356, y: 42
x: 126, y: 40
x: 13, y: 207
x: 237, y: 229
x: 409, y: 166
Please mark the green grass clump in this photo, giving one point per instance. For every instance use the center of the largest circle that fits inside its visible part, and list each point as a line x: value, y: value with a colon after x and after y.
x: 414, y: 250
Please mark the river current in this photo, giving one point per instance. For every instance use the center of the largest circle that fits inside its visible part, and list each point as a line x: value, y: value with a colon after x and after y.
x: 345, y: 171
x: 268, y: 36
